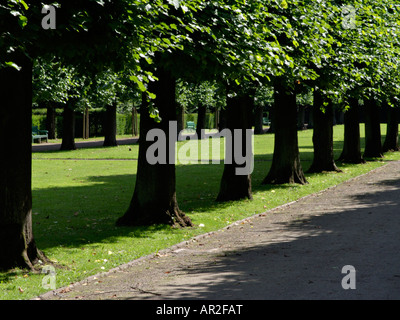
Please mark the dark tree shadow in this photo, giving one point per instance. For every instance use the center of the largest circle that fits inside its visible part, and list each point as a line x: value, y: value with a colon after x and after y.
x: 306, y: 260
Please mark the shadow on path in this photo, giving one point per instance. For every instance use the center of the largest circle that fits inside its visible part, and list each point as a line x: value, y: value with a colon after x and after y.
x: 300, y: 255
x: 293, y: 252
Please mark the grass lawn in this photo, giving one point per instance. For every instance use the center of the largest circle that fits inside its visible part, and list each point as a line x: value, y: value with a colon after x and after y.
x: 78, y: 195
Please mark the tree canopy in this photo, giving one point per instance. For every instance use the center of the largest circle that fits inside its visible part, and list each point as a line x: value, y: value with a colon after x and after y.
x: 343, y: 46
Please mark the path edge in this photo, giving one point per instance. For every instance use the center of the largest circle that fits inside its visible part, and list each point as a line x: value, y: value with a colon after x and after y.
x: 58, y: 291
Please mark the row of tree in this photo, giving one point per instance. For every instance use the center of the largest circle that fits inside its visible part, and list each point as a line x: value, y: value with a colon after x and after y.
x: 56, y: 86
x: 344, y: 51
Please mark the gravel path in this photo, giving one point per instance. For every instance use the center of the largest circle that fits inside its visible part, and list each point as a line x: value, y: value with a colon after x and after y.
x: 296, y: 251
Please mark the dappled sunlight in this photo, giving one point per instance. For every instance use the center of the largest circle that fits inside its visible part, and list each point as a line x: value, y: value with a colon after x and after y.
x: 77, y: 202
x: 302, y: 247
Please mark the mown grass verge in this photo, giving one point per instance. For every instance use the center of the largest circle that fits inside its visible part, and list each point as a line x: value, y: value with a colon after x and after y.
x: 76, y: 203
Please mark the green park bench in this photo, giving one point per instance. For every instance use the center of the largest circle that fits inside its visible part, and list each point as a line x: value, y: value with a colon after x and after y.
x: 190, y: 125
x: 266, y: 122
x: 39, y: 134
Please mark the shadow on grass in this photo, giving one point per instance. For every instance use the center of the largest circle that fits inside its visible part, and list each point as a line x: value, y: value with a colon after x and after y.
x: 305, y: 257
x: 75, y: 216
x: 8, y: 276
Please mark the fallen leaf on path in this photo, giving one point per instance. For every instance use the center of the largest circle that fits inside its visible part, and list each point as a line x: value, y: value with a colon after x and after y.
x: 65, y: 290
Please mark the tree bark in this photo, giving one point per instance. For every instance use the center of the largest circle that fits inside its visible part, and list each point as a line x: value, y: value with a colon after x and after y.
x: 17, y: 244
x: 286, y: 166
x: 201, y: 121
x: 85, y: 123
x: 234, y: 186
x: 68, y: 132
x: 216, y: 117
x: 271, y: 128
x: 258, y: 120
x: 301, y: 118
x: 392, y: 131
x: 339, y: 116
x: 180, y: 114
x: 135, y: 129
x: 51, y: 120
x: 154, y: 198
x: 110, y: 126
x: 373, y: 142
x: 322, y: 135
x: 310, y: 120
x: 351, y: 145
x: 222, y: 119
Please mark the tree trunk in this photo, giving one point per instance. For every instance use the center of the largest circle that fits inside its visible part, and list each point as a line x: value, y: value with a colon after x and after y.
x: 68, y: 131
x: 222, y: 119
x: 351, y: 146
x: 85, y: 123
x: 322, y: 136
x: 17, y: 244
x: 110, y: 126
x: 234, y: 186
x: 51, y: 120
x: 258, y: 120
x: 201, y: 121
x: 154, y: 199
x: 286, y: 166
x: 392, y: 131
x: 216, y: 118
x: 373, y: 142
x: 271, y: 128
x: 339, y: 116
x: 301, y: 118
x: 180, y: 114
x: 135, y: 129
x: 310, y: 121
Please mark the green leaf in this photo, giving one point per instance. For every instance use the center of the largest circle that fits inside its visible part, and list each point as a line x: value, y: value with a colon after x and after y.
x: 154, y: 113
x: 175, y: 3
x: 24, y: 4
x: 138, y: 82
x: 151, y: 95
x: 15, y: 13
x: 14, y: 65
x: 23, y: 21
